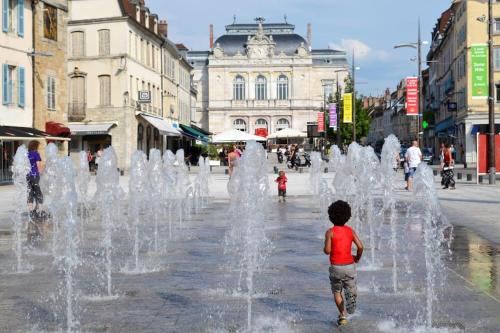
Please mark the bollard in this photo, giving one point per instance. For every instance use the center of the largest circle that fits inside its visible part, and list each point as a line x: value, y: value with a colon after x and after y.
x: 226, y: 171
x: 469, y: 177
x: 480, y: 179
x: 459, y: 175
x: 326, y: 170
x: 435, y: 172
x: 275, y: 169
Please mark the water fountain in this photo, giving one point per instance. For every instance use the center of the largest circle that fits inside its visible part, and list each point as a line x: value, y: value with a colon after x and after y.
x: 201, y: 183
x: 182, y: 184
x: 390, y: 153
x: 169, y: 189
x: 82, y: 182
x: 108, y: 199
x: 247, y: 238
x: 156, y: 188
x: 315, y: 173
x: 65, y: 211
x: 20, y: 168
x: 137, y: 205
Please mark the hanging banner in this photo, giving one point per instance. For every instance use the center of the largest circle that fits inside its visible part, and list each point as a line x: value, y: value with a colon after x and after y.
x: 321, y: 122
x: 412, y: 96
x: 347, y: 108
x: 333, y: 116
x: 479, y: 65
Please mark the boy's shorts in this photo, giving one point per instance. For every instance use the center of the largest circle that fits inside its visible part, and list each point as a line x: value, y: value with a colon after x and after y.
x: 343, y: 278
x: 282, y: 193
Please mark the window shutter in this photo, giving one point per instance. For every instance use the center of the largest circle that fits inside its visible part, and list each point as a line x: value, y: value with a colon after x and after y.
x: 21, y: 87
x: 5, y: 83
x: 5, y: 15
x: 20, y: 18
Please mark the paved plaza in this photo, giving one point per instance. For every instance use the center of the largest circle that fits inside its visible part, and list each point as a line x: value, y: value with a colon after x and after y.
x: 193, y: 286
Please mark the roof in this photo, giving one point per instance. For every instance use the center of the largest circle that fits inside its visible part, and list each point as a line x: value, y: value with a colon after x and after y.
x: 287, y: 43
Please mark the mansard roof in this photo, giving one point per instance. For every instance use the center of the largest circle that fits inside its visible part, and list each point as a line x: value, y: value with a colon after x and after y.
x: 286, y: 43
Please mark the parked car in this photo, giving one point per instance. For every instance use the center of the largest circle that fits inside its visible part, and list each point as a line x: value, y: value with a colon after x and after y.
x: 427, y: 155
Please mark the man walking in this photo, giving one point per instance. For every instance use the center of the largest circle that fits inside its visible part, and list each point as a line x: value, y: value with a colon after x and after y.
x: 414, y: 157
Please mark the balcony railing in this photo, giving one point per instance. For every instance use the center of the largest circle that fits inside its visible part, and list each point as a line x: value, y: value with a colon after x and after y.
x: 77, y: 111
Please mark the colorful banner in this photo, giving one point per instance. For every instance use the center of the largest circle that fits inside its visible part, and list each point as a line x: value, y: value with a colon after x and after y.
x: 333, y: 115
x: 412, y: 96
x: 479, y: 65
x: 321, y: 122
x: 347, y: 108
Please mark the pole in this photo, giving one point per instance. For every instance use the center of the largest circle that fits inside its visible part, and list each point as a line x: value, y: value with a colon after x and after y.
x: 337, y: 100
x: 353, y: 99
x: 420, y: 101
x: 491, y: 105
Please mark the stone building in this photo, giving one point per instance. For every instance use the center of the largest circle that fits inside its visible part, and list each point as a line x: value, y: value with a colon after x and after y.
x: 50, y: 75
x: 116, y: 53
x: 261, y: 78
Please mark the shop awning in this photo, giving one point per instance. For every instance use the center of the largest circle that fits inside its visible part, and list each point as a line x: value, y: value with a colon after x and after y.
x: 57, y: 129
x: 194, y: 133
x: 235, y: 136
x: 15, y: 133
x: 90, y: 128
x: 161, y: 125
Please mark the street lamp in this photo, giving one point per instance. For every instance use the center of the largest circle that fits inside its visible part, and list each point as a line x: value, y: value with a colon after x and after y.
x: 418, y: 47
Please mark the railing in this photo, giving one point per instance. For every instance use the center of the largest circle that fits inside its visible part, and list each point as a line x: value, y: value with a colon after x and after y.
x: 77, y: 111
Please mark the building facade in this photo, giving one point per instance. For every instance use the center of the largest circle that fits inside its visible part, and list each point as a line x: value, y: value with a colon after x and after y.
x: 261, y: 78
x: 457, y: 30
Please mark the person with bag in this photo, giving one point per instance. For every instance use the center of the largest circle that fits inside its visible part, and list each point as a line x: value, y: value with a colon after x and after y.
x: 447, y: 173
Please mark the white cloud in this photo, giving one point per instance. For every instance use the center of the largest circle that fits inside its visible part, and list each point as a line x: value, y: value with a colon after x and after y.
x: 361, y: 50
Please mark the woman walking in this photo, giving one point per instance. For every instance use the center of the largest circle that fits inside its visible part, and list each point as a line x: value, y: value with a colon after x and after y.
x: 448, y: 164
x: 35, y: 196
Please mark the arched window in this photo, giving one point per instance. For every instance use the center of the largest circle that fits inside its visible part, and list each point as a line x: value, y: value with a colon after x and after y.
x: 239, y: 88
x: 240, y: 125
x: 260, y: 88
x: 261, y: 123
x: 282, y: 87
x: 282, y: 124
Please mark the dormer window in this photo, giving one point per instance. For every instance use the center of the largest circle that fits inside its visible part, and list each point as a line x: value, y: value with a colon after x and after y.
x: 137, y: 13
x: 146, y: 15
x: 155, y: 28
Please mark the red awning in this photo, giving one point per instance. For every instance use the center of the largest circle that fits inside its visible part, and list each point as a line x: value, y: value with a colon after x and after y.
x: 57, y: 129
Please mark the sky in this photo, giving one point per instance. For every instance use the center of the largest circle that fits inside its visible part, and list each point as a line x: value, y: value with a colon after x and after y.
x: 370, y: 27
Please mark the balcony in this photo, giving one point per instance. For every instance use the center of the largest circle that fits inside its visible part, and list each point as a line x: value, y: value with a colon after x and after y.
x: 77, y: 111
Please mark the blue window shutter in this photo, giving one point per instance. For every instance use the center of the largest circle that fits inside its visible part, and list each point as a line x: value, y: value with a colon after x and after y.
x: 5, y: 15
x: 21, y: 87
x: 5, y: 84
x: 20, y: 18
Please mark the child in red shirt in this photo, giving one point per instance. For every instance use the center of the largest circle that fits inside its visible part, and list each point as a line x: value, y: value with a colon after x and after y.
x: 281, y: 180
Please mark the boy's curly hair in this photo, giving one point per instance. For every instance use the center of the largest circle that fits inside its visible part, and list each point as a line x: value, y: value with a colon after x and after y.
x: 339, y: 212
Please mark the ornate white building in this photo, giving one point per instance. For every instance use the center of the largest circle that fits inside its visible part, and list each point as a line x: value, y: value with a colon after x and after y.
x: 263, y: 78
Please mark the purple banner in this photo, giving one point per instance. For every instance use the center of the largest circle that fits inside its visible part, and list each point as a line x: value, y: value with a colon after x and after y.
x: 333, y: 116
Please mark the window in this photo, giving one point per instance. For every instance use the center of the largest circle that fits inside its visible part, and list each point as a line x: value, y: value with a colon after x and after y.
x: 51, y: 93
x: 13, y: 16
x: 496, y: 58
x: 49, y: 22
x: 13, y: 85
x: 240, y: 125
x: 261, y: 123
x: 148, y: 54
x: 260, y: 88
x: 496, y: 24
x: 78, y: 43
x: 239, y: 88
x: 104, y: 90
x: 282, y: 124
x: 104, y: 42
x: 78, y: 91
x: 497, y: 92
x: 282, y: 87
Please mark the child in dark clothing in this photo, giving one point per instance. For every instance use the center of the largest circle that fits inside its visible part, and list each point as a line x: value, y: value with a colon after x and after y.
x: 281, y: 180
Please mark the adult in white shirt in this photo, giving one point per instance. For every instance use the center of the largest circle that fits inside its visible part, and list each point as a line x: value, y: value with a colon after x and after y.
x: 413, y: 156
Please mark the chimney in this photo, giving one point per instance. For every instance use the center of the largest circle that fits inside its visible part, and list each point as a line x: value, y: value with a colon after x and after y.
x: 163, y: 28
x: 309, y: 34
x: 211, y: 36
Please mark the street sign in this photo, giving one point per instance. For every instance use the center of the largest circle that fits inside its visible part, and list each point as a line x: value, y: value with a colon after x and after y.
x: 412, y: 96
x: 479, y: 66
x: 144, y: 96
x: 321, y: 122
x: 347, y: 108
x: 333, y: 116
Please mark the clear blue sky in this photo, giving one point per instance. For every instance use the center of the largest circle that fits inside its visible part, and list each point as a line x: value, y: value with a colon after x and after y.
x: 372, y: 27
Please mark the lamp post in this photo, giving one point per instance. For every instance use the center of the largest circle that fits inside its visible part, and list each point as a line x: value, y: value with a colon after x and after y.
x: 418, y: 47
x: 491, y: 102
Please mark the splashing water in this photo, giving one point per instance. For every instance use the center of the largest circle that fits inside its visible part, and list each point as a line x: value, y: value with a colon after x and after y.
x: 48, y: 185
x: 20, y: 167
x: 315, y: 173
x: 169, y: 179
x: 82, y: 182
x: 156, y: 186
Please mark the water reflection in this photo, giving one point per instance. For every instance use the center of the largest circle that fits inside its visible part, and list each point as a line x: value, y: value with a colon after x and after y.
x: 477, y: 260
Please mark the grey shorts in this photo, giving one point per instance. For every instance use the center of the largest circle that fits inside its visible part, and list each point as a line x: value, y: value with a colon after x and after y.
x: 343, y: 277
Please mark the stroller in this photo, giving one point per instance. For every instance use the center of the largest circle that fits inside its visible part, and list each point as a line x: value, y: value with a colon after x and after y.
x: 447, y: 176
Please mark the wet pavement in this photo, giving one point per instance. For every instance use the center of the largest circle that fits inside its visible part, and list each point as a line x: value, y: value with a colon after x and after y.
x: 195, y: 287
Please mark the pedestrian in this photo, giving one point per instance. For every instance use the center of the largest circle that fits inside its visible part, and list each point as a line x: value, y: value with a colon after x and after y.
x: 222, y: 157
x: 414, y: 157
x: 35, y: 196
x: 447, y: 172
x: 338, y: 243
x: 232, y: 159
x: 463, y: 157
x: 281, y: 180
x: 98, y: 156
x: 453, y: 151
x: 90, y: 157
